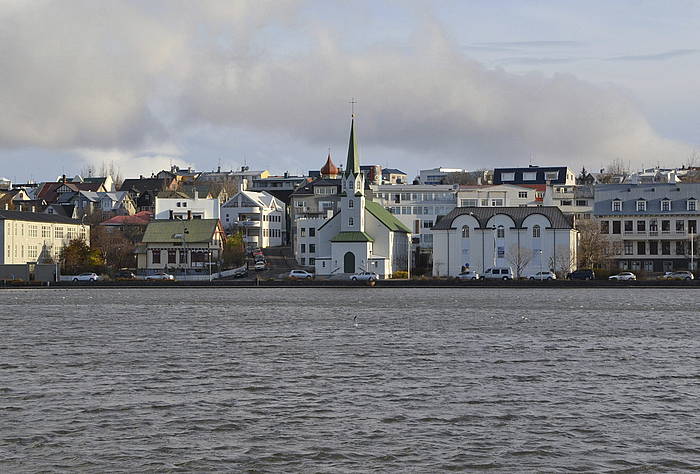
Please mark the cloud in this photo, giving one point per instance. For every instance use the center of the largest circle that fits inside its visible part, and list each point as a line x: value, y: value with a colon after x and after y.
x: 530, y: 44
x: 674, y: 53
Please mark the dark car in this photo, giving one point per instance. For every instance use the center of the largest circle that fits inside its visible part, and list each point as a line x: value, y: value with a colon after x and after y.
x: 241, y: 273
x: 124, y: 275
x: 582, y: 274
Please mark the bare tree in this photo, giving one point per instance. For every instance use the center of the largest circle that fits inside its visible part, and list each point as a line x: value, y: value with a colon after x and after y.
x: 563, y: 262
x: 593, y: 246
x: 519, y: 258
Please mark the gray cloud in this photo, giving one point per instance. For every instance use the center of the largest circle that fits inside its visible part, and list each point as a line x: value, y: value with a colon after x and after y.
x: 674, y: 53
x: 530, y: 44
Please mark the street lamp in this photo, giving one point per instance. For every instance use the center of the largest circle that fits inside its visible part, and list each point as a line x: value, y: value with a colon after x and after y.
x: 540, y: 252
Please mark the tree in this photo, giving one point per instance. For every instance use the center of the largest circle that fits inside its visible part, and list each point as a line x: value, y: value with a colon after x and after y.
x: 114, y: 246
x: 593, y: 246
x: 78, y: 257
x: 519, y: 258
x: 563, y: 262
x: 234, y: 250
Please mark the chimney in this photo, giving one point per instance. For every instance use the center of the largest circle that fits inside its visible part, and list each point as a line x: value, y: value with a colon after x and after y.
x: 196, y: 194
x: 218, y: 169
x: 171, y: 214
x: 286, y: 174
x: 189, y: 214
x: 63, y: 179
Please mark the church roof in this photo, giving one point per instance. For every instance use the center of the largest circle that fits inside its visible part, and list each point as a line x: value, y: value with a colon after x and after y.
x: 329, y: 168
x: 353, y: 163
x: 353, y: 236
x: 557, y: 218
x: 386, y: 217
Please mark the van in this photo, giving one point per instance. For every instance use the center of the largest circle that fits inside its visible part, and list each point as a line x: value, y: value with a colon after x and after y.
x: 500, y: 273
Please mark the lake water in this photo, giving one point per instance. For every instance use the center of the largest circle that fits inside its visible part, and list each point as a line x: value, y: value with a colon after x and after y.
x: 282, y: 379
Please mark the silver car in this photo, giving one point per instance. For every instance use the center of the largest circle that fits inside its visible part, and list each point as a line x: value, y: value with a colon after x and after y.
x: 468, y: 275
x: 623, y: 276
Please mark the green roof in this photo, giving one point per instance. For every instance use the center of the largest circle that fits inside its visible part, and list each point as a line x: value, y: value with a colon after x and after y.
x: 386, y: 217
x: 194, y: 230
x: 355, y: 236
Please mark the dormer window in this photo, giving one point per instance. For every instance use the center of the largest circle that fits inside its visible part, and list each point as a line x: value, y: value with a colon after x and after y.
x: 641, y: 205
x: 617, y: 205
x: 692, y: 204
x: 666, y: 205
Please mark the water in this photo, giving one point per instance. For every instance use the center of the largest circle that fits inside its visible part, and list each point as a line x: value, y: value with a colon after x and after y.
x: 282, y: 380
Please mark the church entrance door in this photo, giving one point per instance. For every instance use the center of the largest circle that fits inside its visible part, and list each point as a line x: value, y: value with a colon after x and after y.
x: 349, y: 263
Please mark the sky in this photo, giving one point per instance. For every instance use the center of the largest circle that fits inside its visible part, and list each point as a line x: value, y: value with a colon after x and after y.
x: 467, y: 84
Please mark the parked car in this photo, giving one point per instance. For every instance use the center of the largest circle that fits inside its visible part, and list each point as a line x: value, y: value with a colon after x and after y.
x: 365, y: 276
x: 124, y: 274
x: 301, y: 275
x: 240, y: 273
x: 679, y: 275
x: 548, y: 275
x: 501, y: 273
x: 581, y: 274
x: 160, y: 276
x: 468, y: 275
x: 86, y: 277
x: 623, y: 276
x: 260, y: 265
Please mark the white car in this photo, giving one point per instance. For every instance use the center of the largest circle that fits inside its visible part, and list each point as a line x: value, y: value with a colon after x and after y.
x: 260, y: 265
x: 623, y: 276
x: 160, y: 276
x: 365, y: 276
x: 301, y: 275
x: 501, y: 273
x: 543, y: 276
x: 86, y: 277
x: 468, y: 275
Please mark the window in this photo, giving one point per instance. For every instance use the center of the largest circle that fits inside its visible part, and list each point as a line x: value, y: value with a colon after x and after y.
x: 530, y: 176
x: 680, y: 247
x: 617, y: 206
x: 641, y: 247
x: 297, y: 203
x: 628, y: 227
x: 155, y: 256
x: 500, y: 232
x: 501, y: 252
x: 507, y: 176
x: 183, y: 257
x: 177, y: 204
x: 469, y: 202
x: 692, y: 226
x: 680, y: 227
x: 522, y: 194
x: 465, y: 232
x: 665, y: 227
x: 604, y: 227
x: 641, y: 205
x: 665, y: 247
x: 566, y: 202
x: 536, y: 231
x: 617, y: 227
x: 427, y: 224
x: 312, y: 248
x: 172, y: 256
x: 551, y: 175
x: 581, y: 202
x: 351, y: 203
x: 302, y: 248
x: 641, y: 227
x: 653, y: 247
x: 497, y: 202
x: 351, y: 221
x: 692, y: 204
x: 58, y: 233
x: 629, y: 248
x: 665, y: 205
x: 303, y: 231
x: 312, y: 261
x: 312, y: 232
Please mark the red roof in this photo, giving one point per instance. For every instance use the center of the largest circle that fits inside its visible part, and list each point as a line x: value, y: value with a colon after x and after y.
x: 140, y: 218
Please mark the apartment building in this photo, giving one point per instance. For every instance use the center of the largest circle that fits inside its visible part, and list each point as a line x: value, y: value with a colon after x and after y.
x: 260, y: 216
x: 652, y: 227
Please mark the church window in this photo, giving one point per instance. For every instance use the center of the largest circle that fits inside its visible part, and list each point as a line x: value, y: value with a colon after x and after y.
x: 500, y: 232
x: 351, y: 221
x: 351, y: 203
x: 465, y: 232
x: 536, y: 231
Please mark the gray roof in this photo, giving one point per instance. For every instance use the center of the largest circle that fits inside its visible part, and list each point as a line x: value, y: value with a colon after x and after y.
x: 36, y: 217
x: 653, y: 194
x: 557, y: 218
x: 308, y: 188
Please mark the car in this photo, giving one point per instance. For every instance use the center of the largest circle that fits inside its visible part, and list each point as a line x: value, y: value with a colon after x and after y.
x: 500, y: 273
x: 240, y: 273
x: 679, y: 275
x: 548, y: 275
x: 365, y: 276
x: 160, y: 276
x: 581, y: 274
x: 468, y: 275
x: 259, y: 258
x: 260, y: 265
x: 623, y: 276
x: 124, y: 274
x: 89, y: 276
x: 301, y: 275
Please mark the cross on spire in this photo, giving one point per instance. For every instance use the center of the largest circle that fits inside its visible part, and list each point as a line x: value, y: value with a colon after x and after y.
x: 352, y: 106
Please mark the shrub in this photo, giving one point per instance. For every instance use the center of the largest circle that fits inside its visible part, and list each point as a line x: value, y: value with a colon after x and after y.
x: 399, y: 275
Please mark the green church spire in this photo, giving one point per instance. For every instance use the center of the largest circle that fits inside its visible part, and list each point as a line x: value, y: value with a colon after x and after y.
x: 353, y: 164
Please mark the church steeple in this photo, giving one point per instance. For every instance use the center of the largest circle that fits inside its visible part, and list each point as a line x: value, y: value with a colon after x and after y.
x: 353, y: 164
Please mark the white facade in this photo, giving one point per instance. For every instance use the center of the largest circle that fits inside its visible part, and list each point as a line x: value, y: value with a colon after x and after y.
x: 24, y: 239
x: 306, y: 243
x: 498, y: 195
x: 259, y: 215
x: 528, y: 239
x: 187, y: 208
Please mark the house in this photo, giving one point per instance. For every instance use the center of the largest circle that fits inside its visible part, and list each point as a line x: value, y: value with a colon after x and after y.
x: 144, y: 191
x: 437, y: 175
x: 89, y: 202
x: 259, y: 215
x: 362, y: 235
x: 527, y: 239
x: 652, y: 227
x: 193, y: 246
x: 394, y: 176
x: 32, y: 237
x: 534, y: 175
x: 132, y: 226
x: 179, y: 205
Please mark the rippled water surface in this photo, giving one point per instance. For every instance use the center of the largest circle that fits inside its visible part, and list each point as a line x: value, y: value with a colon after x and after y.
x: 282, y: 379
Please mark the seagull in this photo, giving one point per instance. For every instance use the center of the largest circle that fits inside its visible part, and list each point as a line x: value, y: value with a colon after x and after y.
x: 355, y: 320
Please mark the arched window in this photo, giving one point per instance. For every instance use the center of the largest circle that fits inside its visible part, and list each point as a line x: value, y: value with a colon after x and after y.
x: 536, y: 231
x: 500, y: 232
x: 465, y: 232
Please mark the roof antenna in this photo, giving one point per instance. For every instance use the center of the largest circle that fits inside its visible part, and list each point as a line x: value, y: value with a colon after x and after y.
x: 352, y: 106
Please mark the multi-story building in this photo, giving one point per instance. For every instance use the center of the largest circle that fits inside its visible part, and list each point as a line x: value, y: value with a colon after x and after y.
x: 650, y: 227
x: 437, y: 175
x: 534, y: 175
x: 571, y: 199
x: 502, y: 195
x: 394, y: 176
x: 181, y: 206
x: 260, y: 216
x: 527, y: 239
x: 30, y: 237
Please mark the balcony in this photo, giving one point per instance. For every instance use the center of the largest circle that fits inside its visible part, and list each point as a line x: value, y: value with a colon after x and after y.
x: 247, y: 223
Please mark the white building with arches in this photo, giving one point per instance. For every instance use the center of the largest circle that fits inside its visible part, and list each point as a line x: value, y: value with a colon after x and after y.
x: 526, y: 239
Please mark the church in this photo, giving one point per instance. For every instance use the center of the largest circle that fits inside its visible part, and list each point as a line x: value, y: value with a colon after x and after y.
x: 362, y: 235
